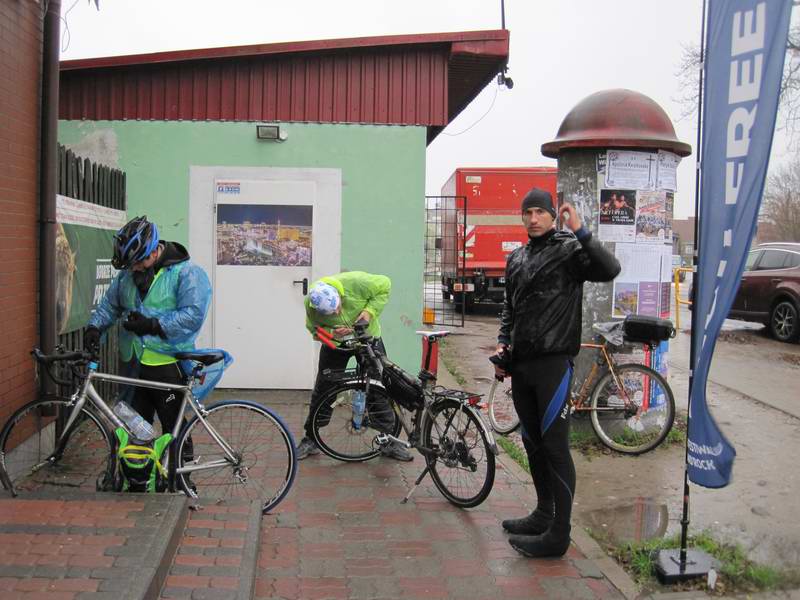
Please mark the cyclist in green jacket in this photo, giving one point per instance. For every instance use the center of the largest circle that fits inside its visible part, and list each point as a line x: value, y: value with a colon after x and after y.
x: 335, y: 303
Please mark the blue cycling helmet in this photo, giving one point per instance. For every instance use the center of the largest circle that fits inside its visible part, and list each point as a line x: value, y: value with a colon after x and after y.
x: 134, y: 242
x: 324, y: 298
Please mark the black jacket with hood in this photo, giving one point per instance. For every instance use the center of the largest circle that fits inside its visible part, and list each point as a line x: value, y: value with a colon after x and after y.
x: 544, y: 292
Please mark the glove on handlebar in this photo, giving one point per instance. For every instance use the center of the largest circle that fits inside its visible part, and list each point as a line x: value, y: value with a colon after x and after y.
x: 502, y: 359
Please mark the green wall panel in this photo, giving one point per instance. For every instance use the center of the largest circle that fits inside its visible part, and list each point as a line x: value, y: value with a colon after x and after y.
x: 383, y: 188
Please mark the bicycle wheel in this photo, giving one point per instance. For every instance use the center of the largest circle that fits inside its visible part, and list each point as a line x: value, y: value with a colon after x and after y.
x: 28, y: 443
x: 334, y: 429
x: 637, y: 417
x: 463, y: 468
x: 266, y: 457
x: 502, y: 414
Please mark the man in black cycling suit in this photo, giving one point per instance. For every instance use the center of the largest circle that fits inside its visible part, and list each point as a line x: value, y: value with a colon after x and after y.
x: 540, y: 334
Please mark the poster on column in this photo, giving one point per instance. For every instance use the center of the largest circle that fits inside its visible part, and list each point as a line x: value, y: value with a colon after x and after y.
x: 617, y: 220
x: 668, y: 170
x: 669, y: 203
x: 630, y: 169
x: 639, y: 288
x: 651, y: 218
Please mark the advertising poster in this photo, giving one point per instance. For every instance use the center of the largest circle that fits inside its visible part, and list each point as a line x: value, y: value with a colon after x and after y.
x: 264, y: 235
x: 631, y: 169
x: 666, y: 300
x: 84, y: 246
x: 626, y: 299
x: 651, y: 218
x: 668, y: 170
x: 643, y: 285
x: 669, y: 202
x: 617, y: 219
x: 649, y: 298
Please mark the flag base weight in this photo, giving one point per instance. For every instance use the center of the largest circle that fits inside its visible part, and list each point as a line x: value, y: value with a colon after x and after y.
x: 670, y: 570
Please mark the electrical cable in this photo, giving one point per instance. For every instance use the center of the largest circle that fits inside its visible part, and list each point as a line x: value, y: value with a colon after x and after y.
x: 65, y: 39
x: 488, y: 110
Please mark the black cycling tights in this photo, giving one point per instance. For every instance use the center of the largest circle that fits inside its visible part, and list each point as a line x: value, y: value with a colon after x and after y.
x: 540, y: 388
x: 148, y: 402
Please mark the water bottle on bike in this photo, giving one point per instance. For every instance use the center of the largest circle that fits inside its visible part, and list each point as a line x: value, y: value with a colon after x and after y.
x: 139, y: 428
x: 359, y: 402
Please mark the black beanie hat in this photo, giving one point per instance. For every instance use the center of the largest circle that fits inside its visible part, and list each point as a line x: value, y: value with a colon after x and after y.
x: 538, y: 198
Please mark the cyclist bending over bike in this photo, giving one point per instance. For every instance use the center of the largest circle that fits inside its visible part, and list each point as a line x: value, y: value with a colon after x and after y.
x: 540, y: 334
x: 164, y: 298
x: 335, y: 303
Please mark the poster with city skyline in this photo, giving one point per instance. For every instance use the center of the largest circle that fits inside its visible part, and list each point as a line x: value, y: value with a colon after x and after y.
x: 277, y: 235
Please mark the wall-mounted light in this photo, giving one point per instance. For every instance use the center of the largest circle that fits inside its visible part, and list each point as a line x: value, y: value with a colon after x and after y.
x: 271, y: 132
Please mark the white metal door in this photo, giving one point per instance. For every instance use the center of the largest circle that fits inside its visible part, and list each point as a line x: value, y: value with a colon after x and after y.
x: 264, y: 249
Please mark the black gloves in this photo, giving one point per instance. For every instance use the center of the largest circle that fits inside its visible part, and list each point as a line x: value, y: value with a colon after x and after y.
x: 91, y: 340
x: 140, y: 325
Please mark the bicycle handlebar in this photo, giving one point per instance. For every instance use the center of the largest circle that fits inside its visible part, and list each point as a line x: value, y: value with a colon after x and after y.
x: 75, y: 358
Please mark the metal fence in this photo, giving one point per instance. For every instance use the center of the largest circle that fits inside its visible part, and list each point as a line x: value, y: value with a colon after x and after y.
x: 85, y: 180
x: 445, y: 224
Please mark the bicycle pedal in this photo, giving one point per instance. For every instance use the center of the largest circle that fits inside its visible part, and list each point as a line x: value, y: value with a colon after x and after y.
x: 381, y: 439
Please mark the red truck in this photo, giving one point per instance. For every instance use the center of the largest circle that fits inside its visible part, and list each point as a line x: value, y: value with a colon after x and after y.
x: 493, y: 228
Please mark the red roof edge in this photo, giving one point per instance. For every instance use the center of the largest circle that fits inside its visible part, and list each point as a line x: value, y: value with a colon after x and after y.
x: 463, y: 39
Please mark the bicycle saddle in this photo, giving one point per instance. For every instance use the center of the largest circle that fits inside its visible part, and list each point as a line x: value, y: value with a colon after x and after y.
x: 206, y: 358
x: 434, y: 335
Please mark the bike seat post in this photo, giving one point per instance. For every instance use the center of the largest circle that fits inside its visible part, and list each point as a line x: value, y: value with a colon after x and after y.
x: 430, y: 356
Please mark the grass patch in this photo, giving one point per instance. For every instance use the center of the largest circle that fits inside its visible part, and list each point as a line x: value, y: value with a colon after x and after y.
x: 584, y: 440
x: 515, y: 452
x: 450, y: 366
x: 735, y: 572
x: 677, y: 435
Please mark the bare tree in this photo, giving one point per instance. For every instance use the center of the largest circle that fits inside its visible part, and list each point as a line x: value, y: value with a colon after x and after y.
x: 780, y: 208
x: 789, y: 111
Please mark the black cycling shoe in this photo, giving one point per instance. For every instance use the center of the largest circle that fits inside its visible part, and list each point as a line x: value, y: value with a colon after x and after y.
x: 549, y: 544
x: 396, y: 451
x: 535, y: 523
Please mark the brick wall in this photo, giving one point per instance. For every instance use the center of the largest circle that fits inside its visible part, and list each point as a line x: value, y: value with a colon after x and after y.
x: 20, y: 73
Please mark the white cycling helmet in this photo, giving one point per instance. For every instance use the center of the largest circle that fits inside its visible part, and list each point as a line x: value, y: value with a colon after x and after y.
x: 324, y: 298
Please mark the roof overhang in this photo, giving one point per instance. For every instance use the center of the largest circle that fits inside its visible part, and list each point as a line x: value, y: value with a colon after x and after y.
x: 440, y: 74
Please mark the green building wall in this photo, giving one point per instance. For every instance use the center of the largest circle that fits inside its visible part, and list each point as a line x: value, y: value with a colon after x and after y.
x: 383, y: 188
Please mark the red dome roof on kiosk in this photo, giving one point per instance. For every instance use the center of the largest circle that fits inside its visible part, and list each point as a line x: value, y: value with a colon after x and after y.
x: 616, y: 119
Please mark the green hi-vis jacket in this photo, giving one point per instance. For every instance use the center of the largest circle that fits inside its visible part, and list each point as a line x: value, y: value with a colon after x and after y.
x: 179, y: 298
x: 359, y: 292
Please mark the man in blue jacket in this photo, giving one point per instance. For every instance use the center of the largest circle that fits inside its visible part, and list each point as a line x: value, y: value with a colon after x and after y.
x: 164, y: 298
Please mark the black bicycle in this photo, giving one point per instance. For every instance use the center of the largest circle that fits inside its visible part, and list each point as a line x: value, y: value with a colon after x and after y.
x: 361, y: 412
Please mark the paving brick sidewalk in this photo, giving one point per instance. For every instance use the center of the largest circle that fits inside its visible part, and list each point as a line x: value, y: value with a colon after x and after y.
x: 78, y: 546
x: 342, y: 533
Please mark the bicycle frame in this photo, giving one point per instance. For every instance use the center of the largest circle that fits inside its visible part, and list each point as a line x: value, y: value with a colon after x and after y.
x: 89, y: 393
x: 580, y: 403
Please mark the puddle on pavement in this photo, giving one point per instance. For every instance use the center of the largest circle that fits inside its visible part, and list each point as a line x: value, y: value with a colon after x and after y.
x: 638, y: 521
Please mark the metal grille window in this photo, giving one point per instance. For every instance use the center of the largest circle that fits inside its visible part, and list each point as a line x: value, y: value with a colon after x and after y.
x: 445, y: 224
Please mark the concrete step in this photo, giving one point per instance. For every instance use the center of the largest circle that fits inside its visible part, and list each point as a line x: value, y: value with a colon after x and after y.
x: 72, y: 545
x: 217, y: 554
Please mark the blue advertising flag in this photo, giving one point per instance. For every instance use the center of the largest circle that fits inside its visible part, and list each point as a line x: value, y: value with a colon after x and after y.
x: 746, y: 45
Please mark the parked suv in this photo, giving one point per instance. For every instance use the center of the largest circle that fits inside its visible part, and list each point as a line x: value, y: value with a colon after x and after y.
x: 770, y: 290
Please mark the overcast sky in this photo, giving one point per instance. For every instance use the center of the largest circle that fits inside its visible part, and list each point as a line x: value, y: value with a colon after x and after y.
x: 561, y: 51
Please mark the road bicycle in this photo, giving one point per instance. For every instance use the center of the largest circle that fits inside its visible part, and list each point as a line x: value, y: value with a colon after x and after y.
x: 362, y: 411
x: 240, y: 448
x: 631, y: 406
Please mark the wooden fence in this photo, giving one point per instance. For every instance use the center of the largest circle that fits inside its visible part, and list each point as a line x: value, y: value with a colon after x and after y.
x: 85, y: 180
